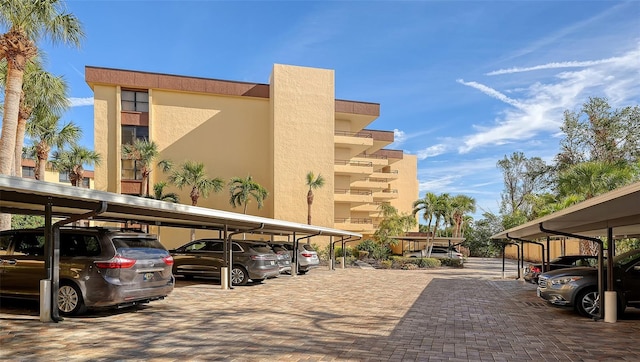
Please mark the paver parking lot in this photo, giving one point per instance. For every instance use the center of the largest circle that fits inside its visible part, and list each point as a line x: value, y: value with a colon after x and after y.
x: 468, y: 314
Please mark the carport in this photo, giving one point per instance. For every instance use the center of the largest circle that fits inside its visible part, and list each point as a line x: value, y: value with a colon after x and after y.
x: 611, y: 216
x: 71, y: 204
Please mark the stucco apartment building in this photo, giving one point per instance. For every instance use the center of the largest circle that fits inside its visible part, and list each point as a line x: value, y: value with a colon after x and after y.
x: 275, y: 132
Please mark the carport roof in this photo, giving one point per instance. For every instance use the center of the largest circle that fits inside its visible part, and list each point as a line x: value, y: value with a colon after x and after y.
x: 25, y: 196
x: 618, y: 210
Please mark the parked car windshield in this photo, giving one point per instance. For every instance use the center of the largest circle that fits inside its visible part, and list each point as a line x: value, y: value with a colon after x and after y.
x: 627, y: 257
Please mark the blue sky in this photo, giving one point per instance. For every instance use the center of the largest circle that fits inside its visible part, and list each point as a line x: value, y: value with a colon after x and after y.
x: 462, y: 83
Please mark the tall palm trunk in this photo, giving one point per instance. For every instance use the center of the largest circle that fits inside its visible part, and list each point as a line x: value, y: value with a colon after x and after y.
x: 10, y: 121
x: 309, y: 202
x: 42, y: 153
x: 23, y: 115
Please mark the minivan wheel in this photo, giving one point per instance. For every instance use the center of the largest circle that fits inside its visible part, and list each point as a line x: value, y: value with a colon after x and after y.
x: 70, y: 300
x: 588, y: 303
x: 239, y: 275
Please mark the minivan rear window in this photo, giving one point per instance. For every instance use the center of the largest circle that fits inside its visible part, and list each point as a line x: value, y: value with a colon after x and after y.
x: 124, y: 242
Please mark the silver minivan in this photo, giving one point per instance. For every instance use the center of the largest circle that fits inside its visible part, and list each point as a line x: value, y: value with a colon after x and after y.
x: 99, y: 267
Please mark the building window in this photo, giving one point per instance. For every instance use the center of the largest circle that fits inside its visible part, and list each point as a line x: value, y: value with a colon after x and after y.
x: 135, y: 101
x: 64, y: 177
x: 131, y: 170
x: 28, y: 171
x: 86, y: 182
x: 132, y: 133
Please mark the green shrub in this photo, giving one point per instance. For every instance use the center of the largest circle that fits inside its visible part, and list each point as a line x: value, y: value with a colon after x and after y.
x: 456, y: 263
x: 429, y: 263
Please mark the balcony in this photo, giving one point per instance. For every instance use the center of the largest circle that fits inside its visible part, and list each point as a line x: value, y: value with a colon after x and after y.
x: 356, y: 142
x: 349, y: 167
x: 386, y: 194
x: 370, y: 183
x: 373, y: 208
x: 388, y: 175
x: 359, y: 225
x: 352, y: 196
x: 376, y: 161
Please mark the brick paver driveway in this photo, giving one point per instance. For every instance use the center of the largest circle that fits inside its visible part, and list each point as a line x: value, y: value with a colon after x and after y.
x: 469, y: 314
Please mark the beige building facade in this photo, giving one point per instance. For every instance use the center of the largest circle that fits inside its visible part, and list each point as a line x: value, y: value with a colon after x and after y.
x: 275, y: 132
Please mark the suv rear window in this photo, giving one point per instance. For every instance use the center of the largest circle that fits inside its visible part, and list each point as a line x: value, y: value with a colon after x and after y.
x: 261, y: 248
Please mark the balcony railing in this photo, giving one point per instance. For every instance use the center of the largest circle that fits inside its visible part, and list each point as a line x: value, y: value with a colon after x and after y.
x: 353, y: 192
x: 352, y: 220
x: 353, y: 134
x: 353, y: 163
x: 379, y: 157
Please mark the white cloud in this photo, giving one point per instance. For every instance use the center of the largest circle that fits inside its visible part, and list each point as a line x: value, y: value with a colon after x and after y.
x: 81, y: 102
x: 542, y: 104
x: 432, y: 151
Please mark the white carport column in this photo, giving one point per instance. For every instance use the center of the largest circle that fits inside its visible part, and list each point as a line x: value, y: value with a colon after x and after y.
x: 45, y: 300
x: 610, y: 306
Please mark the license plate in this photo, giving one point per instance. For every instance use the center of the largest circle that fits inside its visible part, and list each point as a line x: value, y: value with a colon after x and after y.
x: 272, y: 262
x: 147, y: 276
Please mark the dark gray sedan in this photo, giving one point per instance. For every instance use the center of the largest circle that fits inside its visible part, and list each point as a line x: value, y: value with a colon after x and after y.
x: 205, y: 258
x: 578, y: 287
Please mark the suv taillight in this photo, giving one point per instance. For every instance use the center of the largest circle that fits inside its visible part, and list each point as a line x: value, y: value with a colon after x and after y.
x: 306, y: 255
x: 119, y: 262
x: 168, y: 260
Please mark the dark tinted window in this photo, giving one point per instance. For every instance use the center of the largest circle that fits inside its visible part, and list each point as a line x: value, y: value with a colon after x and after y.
x: 29, y: 244
x: 79, y: 245
x: 124, y: 242
x: 4, y: 243
x: 306, y: 247
x: 215, y: 246
x: 262, y: 248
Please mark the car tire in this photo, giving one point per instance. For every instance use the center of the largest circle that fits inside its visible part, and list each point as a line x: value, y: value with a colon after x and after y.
x: 302, y: 272
x: 588, y: 303
x: 239, y: 275
x: 70, y: 301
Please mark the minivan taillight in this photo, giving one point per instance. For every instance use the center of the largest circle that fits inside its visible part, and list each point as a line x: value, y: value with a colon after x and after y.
x: 168, y: 260
x: 119, y: 262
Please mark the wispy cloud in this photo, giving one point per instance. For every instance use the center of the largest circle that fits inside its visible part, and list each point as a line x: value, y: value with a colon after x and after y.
x: 492, y: 93
x: 432, y: 151
x: 551, y: 66
x: 81, y: 102
x: 542, y: 104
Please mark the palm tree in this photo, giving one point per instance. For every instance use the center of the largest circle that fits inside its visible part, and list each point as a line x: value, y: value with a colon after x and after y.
x: 143, y: 153
x: 158, y: 193
x: 314, y: 183
x: 73, y: 161
x: 242, y: 189
x: 460, y: 206
x: 441, y: 210
x: 43, y: 94
x: 28, y: 22
x: 589, y: 179
x: 427, y: 206
x: 46, y: 133
x: 191, y: 174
